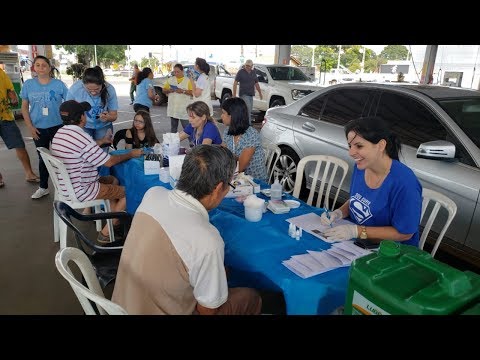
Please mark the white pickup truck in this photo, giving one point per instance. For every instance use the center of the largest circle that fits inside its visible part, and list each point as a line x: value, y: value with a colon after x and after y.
x: 280, y: 85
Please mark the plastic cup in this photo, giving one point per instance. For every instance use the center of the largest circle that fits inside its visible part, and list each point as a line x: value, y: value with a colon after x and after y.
x: 253, y: 214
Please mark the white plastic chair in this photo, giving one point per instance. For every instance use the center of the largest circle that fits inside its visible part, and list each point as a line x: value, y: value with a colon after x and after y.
x: 325, y: 166
x: 439, y: 201
x: 94, y: 291
x: 56, y: 168
x: 272, y: 155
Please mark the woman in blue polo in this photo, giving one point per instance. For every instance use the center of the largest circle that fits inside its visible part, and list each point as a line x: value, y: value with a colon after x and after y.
x: 202, y: 128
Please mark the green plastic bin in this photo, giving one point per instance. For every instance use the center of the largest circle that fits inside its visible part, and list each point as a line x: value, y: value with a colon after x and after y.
x: 403, y: 280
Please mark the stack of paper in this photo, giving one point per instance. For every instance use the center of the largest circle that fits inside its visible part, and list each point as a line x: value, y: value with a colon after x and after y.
x: 317, y: 262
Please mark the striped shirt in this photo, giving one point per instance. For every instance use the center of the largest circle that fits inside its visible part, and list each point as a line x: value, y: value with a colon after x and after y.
x: 81, y: 156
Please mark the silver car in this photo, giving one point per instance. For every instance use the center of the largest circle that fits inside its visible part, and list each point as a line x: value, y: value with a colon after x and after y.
x: 439, y: 128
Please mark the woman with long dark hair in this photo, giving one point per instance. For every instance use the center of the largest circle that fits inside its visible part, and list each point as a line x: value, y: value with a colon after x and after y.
x: 142, y: 133
x: 101, y: 95
x: 385, y: 195
x: 146, y: 94
x: 242, y: 139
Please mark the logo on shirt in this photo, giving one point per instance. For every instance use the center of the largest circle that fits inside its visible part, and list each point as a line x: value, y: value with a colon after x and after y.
x: 360, y: 208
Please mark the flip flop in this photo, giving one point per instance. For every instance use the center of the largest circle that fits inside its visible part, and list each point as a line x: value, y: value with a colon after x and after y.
x: 33, y: 180
x: 2, y: 184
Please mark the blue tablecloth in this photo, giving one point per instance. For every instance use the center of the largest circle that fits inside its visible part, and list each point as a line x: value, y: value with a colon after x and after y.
x: 254, y: 251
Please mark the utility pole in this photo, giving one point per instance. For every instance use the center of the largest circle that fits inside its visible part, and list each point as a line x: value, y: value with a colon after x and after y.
x: 339, y: 53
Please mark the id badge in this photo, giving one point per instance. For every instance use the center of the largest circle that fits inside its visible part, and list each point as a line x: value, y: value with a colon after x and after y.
x: 45, y: 111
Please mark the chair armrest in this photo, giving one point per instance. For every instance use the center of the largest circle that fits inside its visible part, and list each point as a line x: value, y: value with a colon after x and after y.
x: 102, y: 216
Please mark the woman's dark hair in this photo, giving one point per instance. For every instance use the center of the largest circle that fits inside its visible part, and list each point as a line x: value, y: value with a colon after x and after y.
x: 202, y: 65
x: 143, y: 74
x: 180, y: 66
x: 94, y: 75
x: 150, y: 135
x: 204, y: 167
x: 53, y: 70
x: 237, y: 109
x: 200, y: 108
x: 374, y: 129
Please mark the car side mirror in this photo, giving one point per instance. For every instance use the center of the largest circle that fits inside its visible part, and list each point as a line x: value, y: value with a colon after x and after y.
x: 436, y: 150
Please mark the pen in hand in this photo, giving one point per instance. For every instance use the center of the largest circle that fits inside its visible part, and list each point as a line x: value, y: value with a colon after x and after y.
x: 328, y: 216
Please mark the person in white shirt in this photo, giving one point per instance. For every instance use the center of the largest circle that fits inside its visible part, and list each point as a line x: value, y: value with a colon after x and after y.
x: 172, y: 262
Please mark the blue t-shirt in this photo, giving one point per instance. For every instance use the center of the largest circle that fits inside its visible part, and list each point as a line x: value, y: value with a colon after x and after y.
x: 40, y: 97
x: 397, y: 202
x: 210, y: 131
x: 142, y: 93
x: 251, y: 138
x: 78, y: 93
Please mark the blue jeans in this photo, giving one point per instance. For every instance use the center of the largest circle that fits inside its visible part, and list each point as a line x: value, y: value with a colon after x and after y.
x: 249, y: 101
x: 45, y: 138
x: 98, y: 134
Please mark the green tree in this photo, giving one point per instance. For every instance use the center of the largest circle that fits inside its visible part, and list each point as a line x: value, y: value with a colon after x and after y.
x: 394, y: 52
x: 106, y: 54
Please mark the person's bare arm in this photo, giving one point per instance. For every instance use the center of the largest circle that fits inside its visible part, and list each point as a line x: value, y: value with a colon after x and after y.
x: 118, y: 158
x: 234, y: 88
x: 245, y: 157
x: 202, y: 310
x: 128, y: 134
x: 257, y: 86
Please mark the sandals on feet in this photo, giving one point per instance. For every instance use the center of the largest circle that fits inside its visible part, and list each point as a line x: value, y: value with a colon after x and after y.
x: 102, y: 239
x: 33, y: 180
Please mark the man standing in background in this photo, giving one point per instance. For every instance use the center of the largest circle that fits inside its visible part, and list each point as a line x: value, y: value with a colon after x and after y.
x: 133, y: 83
x: 248, y: 82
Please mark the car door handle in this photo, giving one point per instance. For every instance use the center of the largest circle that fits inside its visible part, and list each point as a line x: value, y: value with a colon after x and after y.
x: 309, y: 127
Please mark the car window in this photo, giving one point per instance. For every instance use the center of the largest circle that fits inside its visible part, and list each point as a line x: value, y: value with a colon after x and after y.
x: 410, y: 120
x: 466, y: 113
x: 343, y: 105
x: 261, y: 75
x: 414, y: 123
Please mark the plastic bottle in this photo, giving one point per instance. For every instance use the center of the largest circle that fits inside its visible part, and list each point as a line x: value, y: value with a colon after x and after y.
x: 276, y: 190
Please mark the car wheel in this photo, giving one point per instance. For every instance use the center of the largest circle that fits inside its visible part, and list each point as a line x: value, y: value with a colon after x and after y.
x: 278, y: 102
x: 286, y: 169
x: 162, y: 97
x: 225, y: 96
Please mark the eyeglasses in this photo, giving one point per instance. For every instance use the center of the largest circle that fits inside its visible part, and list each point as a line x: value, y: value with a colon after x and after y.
x: 233, y: 186
x: 249, y: 66
x: 138, y: 121
x: 94, y: 91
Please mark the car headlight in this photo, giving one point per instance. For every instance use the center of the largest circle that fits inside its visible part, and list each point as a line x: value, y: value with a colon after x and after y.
x: 298, y: 94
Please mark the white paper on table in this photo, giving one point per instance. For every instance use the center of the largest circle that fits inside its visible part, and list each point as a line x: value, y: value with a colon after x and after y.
x: 337, y: 254
x: 151, y: 167
x: 309, y: 261
x: 325, y: 258
x: 352, y: 248
x: 311, y: 223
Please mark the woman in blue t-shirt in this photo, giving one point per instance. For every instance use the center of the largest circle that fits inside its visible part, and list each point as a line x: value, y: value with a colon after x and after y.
x: 94, y: 89
x: 202, y: 128
x: 385, y: 195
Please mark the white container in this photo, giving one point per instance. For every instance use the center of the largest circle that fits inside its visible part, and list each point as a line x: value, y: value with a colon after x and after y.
x: 253, y: 214
x: 164, y: 175
x: 276, y: 190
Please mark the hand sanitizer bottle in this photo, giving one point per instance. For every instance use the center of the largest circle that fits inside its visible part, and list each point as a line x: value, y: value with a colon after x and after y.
x: 276, y: 190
